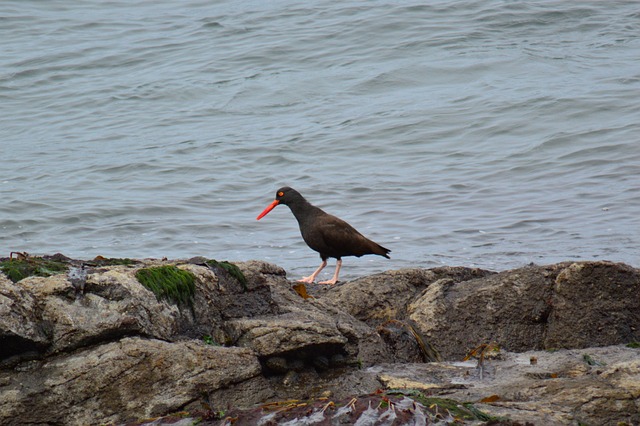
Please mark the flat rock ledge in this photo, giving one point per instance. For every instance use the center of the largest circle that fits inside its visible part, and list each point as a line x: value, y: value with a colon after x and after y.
x: 541, y: 345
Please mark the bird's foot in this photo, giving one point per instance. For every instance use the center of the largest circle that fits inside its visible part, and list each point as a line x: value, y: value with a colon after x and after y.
x: 328, y: 282
x: 306, y: 280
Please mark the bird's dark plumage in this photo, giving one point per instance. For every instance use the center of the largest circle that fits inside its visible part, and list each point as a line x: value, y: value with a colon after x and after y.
x: 328, y: 235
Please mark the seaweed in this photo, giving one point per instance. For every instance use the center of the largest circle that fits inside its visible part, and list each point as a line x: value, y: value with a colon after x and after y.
x: 230, y: 268
x: 362, y: 409
x: 209, y: 340
x: 454, y: 407
x: 481, y: 415
x: 18, y: 269
x: 112, y: 261
x: 169, y: 283
x: 592, y: 361
x: 459, y: 410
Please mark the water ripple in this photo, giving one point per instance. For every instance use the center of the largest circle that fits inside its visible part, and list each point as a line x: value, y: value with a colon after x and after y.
x: 477, y: 133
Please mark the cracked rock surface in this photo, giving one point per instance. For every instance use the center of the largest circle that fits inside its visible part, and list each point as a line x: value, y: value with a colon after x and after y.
x: 112, y: 352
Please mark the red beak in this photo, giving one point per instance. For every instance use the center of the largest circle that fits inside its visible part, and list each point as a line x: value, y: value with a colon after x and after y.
x: 268, y: 209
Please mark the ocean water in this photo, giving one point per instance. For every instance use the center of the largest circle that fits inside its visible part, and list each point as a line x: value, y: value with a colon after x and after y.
x: 477, y: 133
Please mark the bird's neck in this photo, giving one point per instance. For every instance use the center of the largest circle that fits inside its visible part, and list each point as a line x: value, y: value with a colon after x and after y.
x: 304, y: 210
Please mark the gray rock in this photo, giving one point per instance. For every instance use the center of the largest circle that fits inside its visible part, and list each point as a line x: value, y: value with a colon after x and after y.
x: 117, y: 353
x: 78, y: 277
x: 114, y: 305
x: 129, y: 379
x: 21, y: 331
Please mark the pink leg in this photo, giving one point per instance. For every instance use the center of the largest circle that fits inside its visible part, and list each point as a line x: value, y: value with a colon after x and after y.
x: 311, y: 278
x: 334, y: 280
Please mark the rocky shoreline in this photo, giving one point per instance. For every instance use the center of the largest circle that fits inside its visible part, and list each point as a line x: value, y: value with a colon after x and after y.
x: 554, y: 344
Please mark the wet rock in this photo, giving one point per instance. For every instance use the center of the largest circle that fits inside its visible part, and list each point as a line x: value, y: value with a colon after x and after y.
x: 562, y: 388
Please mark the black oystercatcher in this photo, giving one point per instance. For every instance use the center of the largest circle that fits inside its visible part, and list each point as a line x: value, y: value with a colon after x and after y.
x: 325, y: 233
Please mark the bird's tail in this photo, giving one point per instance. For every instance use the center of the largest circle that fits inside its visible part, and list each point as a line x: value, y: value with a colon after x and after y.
x: 382, y: 251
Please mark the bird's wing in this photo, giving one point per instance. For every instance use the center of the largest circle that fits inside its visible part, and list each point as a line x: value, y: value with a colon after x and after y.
x: 340, y: 237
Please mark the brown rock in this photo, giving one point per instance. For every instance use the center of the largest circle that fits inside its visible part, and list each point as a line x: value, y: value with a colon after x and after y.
x: 510, y: 308
x: 385, y: 296
x: 567, y: 305
x: 594, y: 304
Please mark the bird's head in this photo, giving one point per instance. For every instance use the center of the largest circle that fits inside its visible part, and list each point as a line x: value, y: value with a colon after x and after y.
x: 284, y: 195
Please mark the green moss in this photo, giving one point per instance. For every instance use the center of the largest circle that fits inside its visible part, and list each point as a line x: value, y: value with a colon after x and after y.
x: 592, y: 361
x: 634, y: 345
x: 18, y: 269
x: 111, y: 261
x: 231, y: 269
x: 479, y: 414
x: 454, y: 407
x: 459, y: 410
x: 208, y: 340
x: 169, y: 283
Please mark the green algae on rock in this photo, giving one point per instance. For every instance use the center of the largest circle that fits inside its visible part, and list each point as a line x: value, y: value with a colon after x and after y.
x: 112, y: 261
x: 169, y: 283
x: 18, y: 269
x: 230, y: 268
x: 459, y: 410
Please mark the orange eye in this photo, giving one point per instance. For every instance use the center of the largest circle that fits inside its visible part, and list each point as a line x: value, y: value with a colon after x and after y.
x: 280, y: 194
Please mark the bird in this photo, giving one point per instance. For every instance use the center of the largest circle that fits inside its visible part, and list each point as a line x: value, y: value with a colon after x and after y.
x: 327, y: 234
